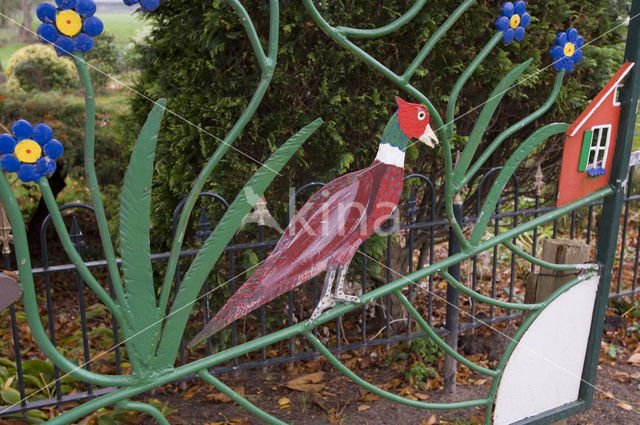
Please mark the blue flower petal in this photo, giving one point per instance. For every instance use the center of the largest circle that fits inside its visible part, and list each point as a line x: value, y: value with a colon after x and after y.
x: 130, y: 2
x: 502, y: 23
x: 28, y: 173
x: 561, y: 39
x: 507, y: 9
x: 83, y: 42
x: 66, y: 4
x: 53, y: 149
x: 93, y: 26
x: 568, y: 64
x: 579, y: 42
x: 525, y: 20
x: 149, y: 4
x: 47, y: 33
x: 64, y: 45
x: 85, y: 8
x: 519, y: 34
x: 572, y: 35
x: 9, y: 163
x: 45, y: 165
x: 46, y: 12
x: 509, y: 35
x: 577, y: 56
x: 42, y: 133
x: 556, y: 52
x: 520, y: 7
x: 22, y: 129
x: 7, y: 143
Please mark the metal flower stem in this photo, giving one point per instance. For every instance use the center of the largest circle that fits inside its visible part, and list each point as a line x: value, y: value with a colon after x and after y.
x: 92, y: 180
x: 73, y: 254
x: 267, y: 65
x: 30, y: 302
x: 462, y: 176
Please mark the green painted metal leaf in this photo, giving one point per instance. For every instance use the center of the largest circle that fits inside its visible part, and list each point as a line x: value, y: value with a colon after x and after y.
x: 485, y: 117
x: 504, y: 176
x: 219, y: 238
x: 135, y: 206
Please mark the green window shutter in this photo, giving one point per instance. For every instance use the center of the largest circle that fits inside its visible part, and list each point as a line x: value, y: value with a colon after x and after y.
x: 584, y: 152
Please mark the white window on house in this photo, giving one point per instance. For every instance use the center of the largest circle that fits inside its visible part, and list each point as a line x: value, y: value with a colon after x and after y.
x: 595, y: 149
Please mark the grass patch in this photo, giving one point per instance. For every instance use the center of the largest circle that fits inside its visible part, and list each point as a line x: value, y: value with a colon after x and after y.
x: 123, y: 25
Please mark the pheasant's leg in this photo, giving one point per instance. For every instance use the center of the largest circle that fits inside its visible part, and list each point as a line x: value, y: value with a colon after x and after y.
x: 326, y: 299
x: 339, y: 294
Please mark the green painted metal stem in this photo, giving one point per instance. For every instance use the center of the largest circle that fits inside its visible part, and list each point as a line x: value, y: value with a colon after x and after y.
x: 250, y: 407
x: 551, y: 266
x: 520, y: 332
x: 144, y: 408
x: 267, y: 67
x: 489, y: 108
x: 387, y: 29
x: 30, y: 301
x: 382, y: 393
x: 455, y: 15
x: 521, y: 153
x: 74, y: 256
x: 92, y: 180
x: 439, y: 341
x: 484, y: 156
x: 457, y: 88
x: 488, y: 300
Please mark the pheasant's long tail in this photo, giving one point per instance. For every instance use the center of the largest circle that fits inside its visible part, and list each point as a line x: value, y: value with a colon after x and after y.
x: 263, y: 286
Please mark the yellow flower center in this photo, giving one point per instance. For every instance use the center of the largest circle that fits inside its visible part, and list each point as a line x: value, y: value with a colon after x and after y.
x: 515, y: 21
x: 28, y: 151
x: 68, y: 22
x: 569, y: 49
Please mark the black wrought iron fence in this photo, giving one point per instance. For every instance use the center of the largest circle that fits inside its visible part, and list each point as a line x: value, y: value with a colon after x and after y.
x: 417, y: 236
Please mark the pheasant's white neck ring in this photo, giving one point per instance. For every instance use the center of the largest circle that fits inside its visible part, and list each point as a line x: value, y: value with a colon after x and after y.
x: 390, y: 155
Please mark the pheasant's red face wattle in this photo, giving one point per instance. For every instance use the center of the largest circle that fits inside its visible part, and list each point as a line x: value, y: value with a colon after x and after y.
x: 414, y: 122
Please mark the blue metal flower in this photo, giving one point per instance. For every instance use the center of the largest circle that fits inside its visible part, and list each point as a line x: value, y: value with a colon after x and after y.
x: 70, y: 26
x: 146, y: 4
x: 567, y: 51
x: 513, y: 21
x: 29, y: 151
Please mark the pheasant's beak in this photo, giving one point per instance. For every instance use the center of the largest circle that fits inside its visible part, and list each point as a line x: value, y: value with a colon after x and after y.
x: 429, y: 138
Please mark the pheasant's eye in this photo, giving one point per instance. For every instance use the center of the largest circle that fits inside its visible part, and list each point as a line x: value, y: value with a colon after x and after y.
x: 422, y: 115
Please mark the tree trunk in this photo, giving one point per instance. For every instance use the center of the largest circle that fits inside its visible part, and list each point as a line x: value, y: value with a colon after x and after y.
x: 26, y: 34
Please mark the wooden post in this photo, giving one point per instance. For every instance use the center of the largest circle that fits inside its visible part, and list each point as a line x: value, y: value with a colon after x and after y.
x: 542, y: 283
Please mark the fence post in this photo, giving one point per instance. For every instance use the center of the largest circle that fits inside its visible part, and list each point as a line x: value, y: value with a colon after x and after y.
x: 453, y: 297
x: 612, y: 208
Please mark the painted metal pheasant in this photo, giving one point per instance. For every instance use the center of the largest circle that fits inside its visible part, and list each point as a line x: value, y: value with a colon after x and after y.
x: 327, y: 231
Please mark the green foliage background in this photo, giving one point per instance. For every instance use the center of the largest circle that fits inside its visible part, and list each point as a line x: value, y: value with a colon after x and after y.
x: 199, y: 57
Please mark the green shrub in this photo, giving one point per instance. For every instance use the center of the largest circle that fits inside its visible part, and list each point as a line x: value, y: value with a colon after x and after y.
x: 36, y: 67
x: 104, y: 59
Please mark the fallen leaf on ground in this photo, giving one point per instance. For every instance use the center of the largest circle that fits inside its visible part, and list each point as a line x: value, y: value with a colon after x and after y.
x: 431, y: 421
x: 635, y: 359
x: 218, y: 397
x: 624, y: 406
x: 307, y: 383
x: 369, y: 397
x: 606, y: 395
x: 363, y: 407
x: 480, y: 382
x: 421, y: 396
x: 284, y: 403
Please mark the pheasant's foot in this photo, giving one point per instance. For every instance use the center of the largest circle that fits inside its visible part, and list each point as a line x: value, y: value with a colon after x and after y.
x: 324, y: 304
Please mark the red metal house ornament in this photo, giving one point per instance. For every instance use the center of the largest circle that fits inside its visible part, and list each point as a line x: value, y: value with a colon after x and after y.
x: 588, y: 147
